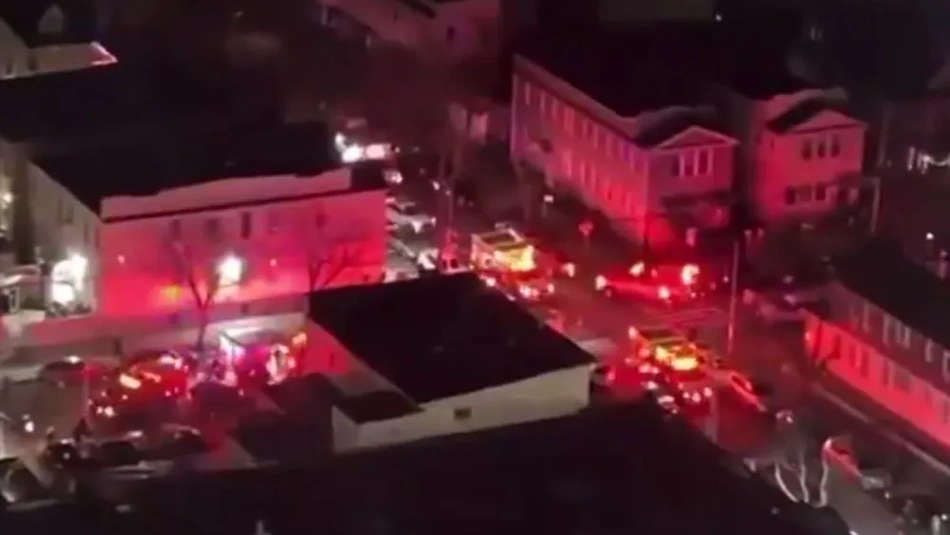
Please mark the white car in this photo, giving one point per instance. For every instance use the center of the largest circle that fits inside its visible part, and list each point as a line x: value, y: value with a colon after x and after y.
x: 407, y: 214
x: 839, y: 453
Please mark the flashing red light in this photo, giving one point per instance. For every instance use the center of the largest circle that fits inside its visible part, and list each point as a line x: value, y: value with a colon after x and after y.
x: 129, y: 382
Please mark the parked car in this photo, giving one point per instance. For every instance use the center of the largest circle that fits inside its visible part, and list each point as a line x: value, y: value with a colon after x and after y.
x: 408, y: 214
x: 839, y: 452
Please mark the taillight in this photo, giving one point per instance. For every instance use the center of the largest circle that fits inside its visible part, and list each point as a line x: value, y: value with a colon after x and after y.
x: 600, y: 282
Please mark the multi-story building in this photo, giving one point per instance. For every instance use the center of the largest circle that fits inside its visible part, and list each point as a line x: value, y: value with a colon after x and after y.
x: 442, y: 30
x: 73, y: 111
x: 47, y: 36
x: 636, y: 142
x: 885, y: 337
x: 799, y: 152
x: 182, y: 223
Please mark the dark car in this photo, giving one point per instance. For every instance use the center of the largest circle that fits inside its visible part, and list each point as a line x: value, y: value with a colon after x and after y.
x: 117, y: 453
x: 62, y: 455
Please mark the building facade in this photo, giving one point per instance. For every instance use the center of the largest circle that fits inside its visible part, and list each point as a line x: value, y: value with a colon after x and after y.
x: 442, y: 30
x: 877, y: 344
x: 644, y: 171
x: 798, y: 155
x: 239, y: 239
x: 47, y: 38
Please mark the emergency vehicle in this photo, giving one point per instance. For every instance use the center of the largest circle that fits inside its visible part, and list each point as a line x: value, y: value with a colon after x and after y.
x: 504, y: 259
x: 666, y: 283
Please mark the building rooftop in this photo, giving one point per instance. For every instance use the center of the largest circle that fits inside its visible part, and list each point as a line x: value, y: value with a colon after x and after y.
x: 620, y: 469
x: 908, y: 291
x: 116, y: 100
x: 668, y: 64
x: 376, y: 406
x: 801, y: 113
x: 178, y: 159
x: 442, y: 336
x: 50, y: 22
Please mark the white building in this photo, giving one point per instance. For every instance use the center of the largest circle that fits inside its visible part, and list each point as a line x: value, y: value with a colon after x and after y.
x: 445, y: 30
x: 168, y: 225
x: 44, y: 36
x: 438, y: 356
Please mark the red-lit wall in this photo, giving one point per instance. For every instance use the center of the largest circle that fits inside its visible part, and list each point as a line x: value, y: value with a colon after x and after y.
x: 586, y: 153
x: 141, y: 272
x: 880, y: 379
x: 780, y: 165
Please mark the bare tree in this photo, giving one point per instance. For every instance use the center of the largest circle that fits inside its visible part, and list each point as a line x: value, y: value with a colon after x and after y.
x: 201, y: 273
x: 327, y: 254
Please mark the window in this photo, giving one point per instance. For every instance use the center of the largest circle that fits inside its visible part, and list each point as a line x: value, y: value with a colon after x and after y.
x: 901, y: 379
x: 568, y: 119
x: 835, y: 146
x: 903, y: 335
x: 212, y: 227
x: 527, y: 93
x: 929, y: 350
x: 804, y: 194
x: 945, y: 365
x: 677, y: 166
x: 854, y: 315
x: 463, y: 413
x: 790, y: 197
x: 594, y: 135
x: 246, y: 225
x: 543, y: 102
x: 886, y: 327
x: 821, y: 192
x: 863, y: 363
x: 175, y: 229
x: 866, y: 318
x: 806, y: 149
x: 703, y: 166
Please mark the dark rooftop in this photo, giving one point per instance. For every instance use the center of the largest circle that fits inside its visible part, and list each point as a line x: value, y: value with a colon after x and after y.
x: 622, y: 469
x: 38, y: 22
x: 179, y: 159
x: 882, y: 274
x: 801, y: 113
x: 376, y: 406
x: 89, y: 103
x: 442, y: 336
x: 667, y: 64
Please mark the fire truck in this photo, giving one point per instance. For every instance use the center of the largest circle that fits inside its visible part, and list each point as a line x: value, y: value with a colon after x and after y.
x: 504, y: 259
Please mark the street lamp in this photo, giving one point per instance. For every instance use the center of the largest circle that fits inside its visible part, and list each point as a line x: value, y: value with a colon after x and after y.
x: 230, y: 270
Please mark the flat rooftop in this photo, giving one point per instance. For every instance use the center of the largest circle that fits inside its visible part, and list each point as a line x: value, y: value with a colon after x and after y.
x: 671, y: 64
x: 438, y: 337
x: 180, y: 159
x: 621, y: 469
x: 116, y: 100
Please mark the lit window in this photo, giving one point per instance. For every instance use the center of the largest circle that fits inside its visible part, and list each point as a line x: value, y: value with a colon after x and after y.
x: 903, y: 335
x: 886, y: 330
x: 929, y: 350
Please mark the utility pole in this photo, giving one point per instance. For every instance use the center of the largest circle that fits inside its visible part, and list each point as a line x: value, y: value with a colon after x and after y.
x: 875, y: 204
x: 733, y: 299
